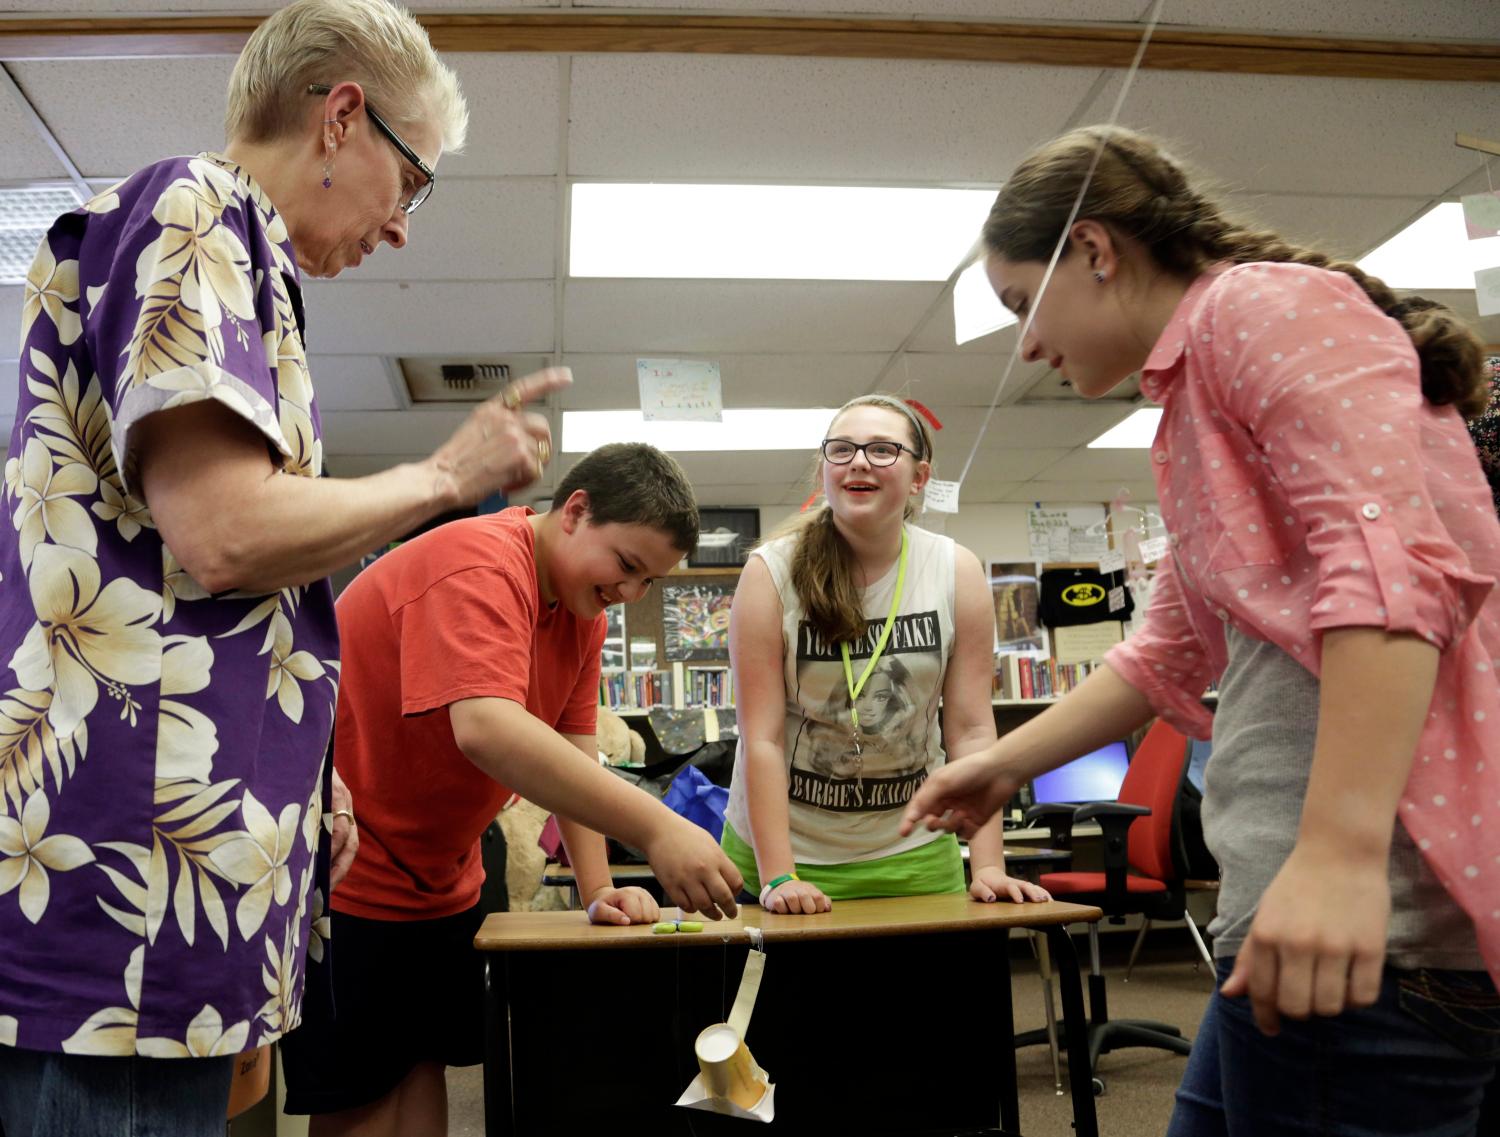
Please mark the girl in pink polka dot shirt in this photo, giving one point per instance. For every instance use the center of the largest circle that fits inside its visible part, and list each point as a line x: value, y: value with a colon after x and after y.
x: 1333, y: 559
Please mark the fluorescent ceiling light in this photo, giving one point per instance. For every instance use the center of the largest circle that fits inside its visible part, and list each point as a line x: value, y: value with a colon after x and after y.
x: 762, y: 232
x: 26, y: 213
x: 750, y: 429
x: 977, y: 311
x: 1136, y: 433
x: 1434, y: 251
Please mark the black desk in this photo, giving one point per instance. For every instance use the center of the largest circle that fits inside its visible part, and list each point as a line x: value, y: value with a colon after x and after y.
x: 659, y: 991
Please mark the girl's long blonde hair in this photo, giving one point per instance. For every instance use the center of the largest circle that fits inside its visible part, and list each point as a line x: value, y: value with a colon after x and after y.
x: 1138, y: 190
x: 822, y: 563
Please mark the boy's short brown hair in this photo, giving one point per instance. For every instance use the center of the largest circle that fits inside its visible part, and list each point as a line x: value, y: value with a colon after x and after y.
x: 631, y: 483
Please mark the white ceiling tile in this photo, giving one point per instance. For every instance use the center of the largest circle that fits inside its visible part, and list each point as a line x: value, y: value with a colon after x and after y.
x: 181, y: 7
x: 680, y: 116
x: 1087, y: 465
x: 513, y: 114
x: 476, y: 229
x: 665, y: 317
x: 11, y: 298
x: 968, y: 380
x: 1375, y: 19
x: 989, y: 10
x: 349, y: 318
x: 354, y: 383
x: 95, y: 107
x: 392, y: 433
x: 1292, y: 134
x: 1349, y: 225
x: 1000, y: 463
x: 24, y: 157
x: 1045, y: 427
x: 603, y: 382
x: 937, y: 335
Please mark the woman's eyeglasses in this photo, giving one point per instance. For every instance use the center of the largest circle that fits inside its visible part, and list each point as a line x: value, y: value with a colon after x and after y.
x: 410, y: 199
x: 840, y: 451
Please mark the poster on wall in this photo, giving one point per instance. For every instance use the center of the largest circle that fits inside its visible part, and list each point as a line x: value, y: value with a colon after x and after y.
x: 695, y: 620
x: 613, y: 652
x: 1018, y: 626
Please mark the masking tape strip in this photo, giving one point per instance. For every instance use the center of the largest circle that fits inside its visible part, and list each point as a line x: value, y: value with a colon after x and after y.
x: 744, y: 1001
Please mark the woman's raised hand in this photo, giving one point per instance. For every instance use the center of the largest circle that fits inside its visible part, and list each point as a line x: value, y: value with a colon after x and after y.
x: 500, y: 446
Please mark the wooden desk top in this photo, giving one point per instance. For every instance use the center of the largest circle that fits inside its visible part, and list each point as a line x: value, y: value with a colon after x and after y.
x: 850, y: 919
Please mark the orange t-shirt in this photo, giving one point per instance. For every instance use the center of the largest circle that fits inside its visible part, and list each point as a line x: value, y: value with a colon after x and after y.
x: 454, y: 614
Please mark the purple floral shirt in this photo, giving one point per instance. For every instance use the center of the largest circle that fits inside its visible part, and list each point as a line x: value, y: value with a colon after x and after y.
x: 161, y: 750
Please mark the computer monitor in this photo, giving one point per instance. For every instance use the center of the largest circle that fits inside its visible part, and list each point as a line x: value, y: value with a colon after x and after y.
x: 1199, y: 754
x: 1094, y: 777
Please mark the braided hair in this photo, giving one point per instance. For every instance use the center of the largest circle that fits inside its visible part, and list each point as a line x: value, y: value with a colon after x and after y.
x: 1140, y: 191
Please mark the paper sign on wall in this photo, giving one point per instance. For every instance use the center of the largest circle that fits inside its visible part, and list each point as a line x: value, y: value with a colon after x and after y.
x: 1047, y: 530
x: 941, y: 496
x: 1153, y: 550
x: 1482, y: 214
x: 1487, y: 290
x: 1086, y: 642
x: 684, y: 390
x: 1111, y: 561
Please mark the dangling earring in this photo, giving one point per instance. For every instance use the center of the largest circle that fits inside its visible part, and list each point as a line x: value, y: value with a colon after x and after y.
x: 328, y: 149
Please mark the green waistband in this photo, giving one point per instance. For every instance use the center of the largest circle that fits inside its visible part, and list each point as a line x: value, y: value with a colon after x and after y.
x: 934, y: 867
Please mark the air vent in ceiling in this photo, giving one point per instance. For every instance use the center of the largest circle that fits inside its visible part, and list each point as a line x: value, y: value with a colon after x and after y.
x: 463, y: 379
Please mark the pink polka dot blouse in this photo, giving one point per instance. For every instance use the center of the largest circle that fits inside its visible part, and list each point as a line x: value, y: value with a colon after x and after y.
x: 1307, y: 485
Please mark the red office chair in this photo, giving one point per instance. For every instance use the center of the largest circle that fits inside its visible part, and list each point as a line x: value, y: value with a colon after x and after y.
x: 1144, y: 862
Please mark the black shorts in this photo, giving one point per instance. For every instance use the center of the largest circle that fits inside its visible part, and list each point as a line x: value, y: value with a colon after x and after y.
x: 404, y: 992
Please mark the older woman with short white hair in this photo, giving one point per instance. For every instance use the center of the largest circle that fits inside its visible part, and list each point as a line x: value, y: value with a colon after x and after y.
x: 166, y: 623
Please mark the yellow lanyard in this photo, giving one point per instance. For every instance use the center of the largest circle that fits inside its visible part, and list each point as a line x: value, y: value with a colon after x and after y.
x: 885, y: 636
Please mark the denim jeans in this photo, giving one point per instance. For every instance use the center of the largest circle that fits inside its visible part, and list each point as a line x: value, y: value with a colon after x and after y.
x: 1413, y: 1064
x: 44, y: 1094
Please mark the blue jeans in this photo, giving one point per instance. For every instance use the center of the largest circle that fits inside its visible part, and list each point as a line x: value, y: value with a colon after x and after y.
x: 45, y: 1094
x: 1413, y: 1064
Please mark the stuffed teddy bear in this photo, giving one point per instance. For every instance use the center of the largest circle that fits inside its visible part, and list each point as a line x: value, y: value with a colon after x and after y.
x: 522, y: 822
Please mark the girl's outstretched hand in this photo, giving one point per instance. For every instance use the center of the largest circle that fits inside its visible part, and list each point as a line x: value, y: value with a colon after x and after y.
x: 1317, y: 943
x: 994, y: 883
x: 961, y: 796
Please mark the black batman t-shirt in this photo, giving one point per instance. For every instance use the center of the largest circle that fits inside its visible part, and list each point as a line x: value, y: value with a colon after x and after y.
x: 1081, y: 596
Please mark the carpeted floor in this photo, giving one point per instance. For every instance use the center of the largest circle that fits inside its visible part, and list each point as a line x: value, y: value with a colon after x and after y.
x: 1138, y: 1083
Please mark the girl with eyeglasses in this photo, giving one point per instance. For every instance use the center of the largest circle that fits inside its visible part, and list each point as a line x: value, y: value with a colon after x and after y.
x: 846, y: 631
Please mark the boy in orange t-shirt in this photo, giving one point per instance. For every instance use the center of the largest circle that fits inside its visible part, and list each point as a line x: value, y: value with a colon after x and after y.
x: 471, y: 667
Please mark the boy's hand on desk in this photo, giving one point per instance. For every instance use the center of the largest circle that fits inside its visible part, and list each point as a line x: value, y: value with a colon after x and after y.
x: 611, y: 905
x: 692, y: 869
x: 992, y: 883
x: 961, y: 797
x: 1317, y: 943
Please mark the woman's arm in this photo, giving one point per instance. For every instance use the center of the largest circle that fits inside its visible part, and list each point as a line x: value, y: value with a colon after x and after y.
x: 234, y: 521
x: 965, y: 795
x: 969, y: 720
x: 1317, y: 942
x: 756, y: 655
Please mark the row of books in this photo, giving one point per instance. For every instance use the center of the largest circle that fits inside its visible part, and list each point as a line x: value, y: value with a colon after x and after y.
x: 682, y: 687
x: 1037, y: 677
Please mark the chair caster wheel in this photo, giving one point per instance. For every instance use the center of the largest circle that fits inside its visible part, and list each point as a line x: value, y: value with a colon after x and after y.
x: 1098, y: 1084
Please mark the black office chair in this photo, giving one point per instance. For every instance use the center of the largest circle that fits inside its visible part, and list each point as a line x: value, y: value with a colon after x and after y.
x: 1143, y: 875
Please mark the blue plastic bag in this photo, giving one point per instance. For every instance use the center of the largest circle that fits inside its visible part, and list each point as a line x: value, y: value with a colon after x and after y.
x: 694, y: 797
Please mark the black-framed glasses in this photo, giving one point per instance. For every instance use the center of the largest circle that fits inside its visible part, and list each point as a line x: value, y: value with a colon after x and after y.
x: 409, y: 201
x: 840, y: 451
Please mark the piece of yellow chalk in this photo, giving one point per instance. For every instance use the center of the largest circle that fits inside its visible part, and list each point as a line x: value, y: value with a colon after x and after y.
x: 663, y: 929
x: 689, y: 926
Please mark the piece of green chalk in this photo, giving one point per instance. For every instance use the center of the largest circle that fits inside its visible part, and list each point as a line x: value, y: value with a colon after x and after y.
x: 663, y: 929
x: 689, y: 926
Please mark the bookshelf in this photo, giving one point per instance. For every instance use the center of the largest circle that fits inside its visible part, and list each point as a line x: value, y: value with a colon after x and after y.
x: 684, y: 616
